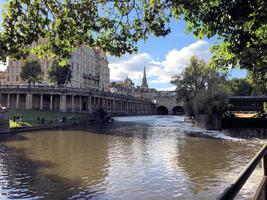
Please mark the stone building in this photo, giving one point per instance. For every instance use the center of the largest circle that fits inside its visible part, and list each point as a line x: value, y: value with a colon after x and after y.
x: 89, y: 70
x: 123, y: 88
x: 146, y: 93
x: 39, y: 97
x: 3, y: 78
x: 127, y: 87
x: 143, y: 91
x: 144, y: 80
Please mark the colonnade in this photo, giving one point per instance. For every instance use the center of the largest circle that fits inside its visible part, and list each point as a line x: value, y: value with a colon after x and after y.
x: 75, y: 102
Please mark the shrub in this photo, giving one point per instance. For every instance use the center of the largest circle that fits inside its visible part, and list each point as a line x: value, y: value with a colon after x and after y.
x: 210, y: 103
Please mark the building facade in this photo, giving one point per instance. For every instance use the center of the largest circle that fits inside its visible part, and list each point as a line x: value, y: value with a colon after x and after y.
x: 89, y: 70
x: 144, y: 91
x: 72, y: 100
x: 123, y: 88
x: 3, y: 78
x: 127, y: 87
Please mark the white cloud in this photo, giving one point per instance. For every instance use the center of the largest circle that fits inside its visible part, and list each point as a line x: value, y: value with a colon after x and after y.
x: 129, y: 65
x: 158, y: 71
x: 172, y: 88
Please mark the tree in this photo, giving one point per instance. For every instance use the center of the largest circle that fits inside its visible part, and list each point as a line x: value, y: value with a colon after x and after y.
x: 64, y: 25
x: 259, y: 88
x: 241, y: 29
x: 60, y: 75
x: 31, y: 72
x: 201, y: 88
x: 116, y: 26
x: 240, y: 87
x: 197, y: 76
x: 210, y: 102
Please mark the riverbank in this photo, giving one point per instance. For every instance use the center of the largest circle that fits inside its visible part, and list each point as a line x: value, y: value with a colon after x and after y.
x: 29, y: 118
x: 25, y: 120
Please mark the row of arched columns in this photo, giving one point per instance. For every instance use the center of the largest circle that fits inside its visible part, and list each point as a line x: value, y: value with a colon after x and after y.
x: 75, y: 102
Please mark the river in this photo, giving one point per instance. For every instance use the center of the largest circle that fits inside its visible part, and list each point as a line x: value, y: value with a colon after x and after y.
x: 133, y: 158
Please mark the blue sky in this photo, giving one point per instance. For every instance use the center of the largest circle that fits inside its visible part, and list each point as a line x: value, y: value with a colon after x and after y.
x: 163, y: 57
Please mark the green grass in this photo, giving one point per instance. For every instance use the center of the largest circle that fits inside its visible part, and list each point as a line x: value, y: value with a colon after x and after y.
x: 13, y: 124
x: 30, y: 116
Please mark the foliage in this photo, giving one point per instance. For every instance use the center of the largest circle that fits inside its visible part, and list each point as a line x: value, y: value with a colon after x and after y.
x: 240, y: 87
x: 60, y: 74
x: 188, y: 108
x: 265, y: 107
x: 31, y: 71
x: 192, y: 80
x: 116, y: 26
x: 210, y: 103
x: 259, y: 88
x: 101, y: 116
x: 196, y: 77
x: 201, y: 88
x: 240, y: 27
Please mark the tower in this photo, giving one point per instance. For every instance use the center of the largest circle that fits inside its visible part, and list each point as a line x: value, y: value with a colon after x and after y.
x: 144, y: 80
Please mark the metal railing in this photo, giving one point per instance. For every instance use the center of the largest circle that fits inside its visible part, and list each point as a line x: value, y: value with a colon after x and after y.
x: 231, y: 192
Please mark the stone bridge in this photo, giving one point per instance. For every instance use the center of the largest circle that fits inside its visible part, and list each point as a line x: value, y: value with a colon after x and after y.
x: 168, y: 105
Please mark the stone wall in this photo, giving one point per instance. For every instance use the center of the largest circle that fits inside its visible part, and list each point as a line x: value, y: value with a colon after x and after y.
x: 210, y: 123
x: 4, y: 120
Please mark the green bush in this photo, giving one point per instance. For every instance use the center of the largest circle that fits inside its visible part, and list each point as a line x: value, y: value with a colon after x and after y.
x: 210, y: 103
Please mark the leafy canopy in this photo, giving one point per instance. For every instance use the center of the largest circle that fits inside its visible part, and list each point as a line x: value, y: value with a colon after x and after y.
x: 240, y: 87
x: 31, y: 71
x: 114, y: 26
x: 59, y: 74
x: 201, y: 88
x: 196, y: 77
x: 117, y: 25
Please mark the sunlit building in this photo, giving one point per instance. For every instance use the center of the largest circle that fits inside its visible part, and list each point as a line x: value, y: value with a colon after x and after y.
x: 89, y: 70
x: 144, y: 91
x: 3, y: 77
x: 125, y: 87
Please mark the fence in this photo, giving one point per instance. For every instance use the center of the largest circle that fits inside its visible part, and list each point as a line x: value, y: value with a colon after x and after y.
x: 233, y: 189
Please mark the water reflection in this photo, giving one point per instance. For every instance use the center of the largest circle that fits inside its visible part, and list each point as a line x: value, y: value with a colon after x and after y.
x: 132, y: 158
x: 55, y: 164
x: 205, y: 161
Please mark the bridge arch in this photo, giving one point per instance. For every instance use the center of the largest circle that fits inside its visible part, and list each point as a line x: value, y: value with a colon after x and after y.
x: 162, y: 110
x: 178, y: 110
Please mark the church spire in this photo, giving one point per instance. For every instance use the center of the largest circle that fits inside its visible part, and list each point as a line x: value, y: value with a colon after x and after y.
x: 144, y: 80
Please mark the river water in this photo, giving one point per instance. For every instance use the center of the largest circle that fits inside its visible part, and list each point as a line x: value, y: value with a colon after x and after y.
x: 152, y: 157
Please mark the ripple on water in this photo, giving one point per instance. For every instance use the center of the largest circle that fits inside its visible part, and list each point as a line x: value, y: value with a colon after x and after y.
x: 149, y: 157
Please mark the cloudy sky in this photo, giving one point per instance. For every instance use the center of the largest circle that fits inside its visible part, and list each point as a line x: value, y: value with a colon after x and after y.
x: 163, y: 58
